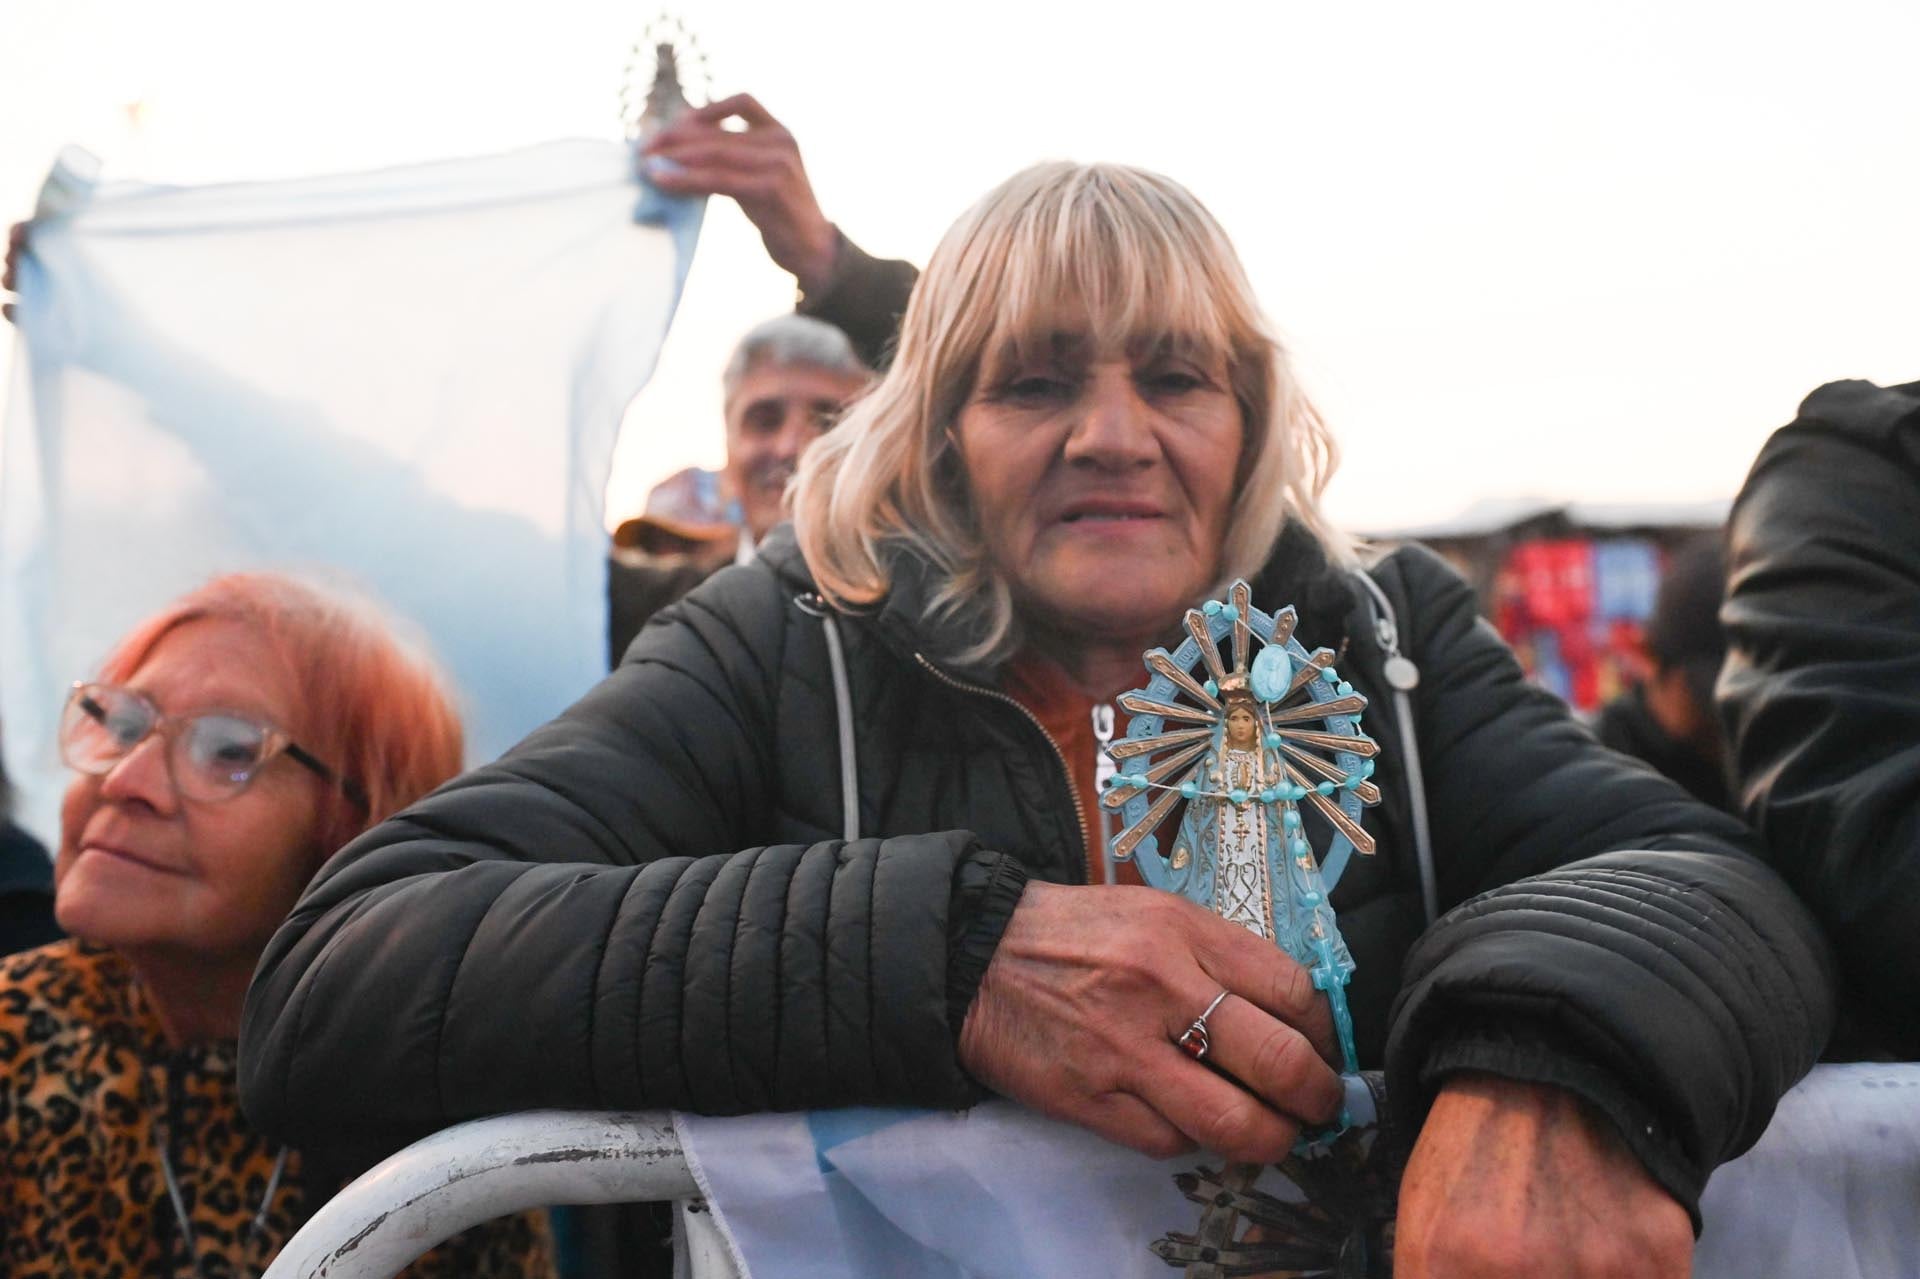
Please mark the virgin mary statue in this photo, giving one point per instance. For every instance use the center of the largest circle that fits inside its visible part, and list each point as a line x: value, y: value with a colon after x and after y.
x: 1249, y: 745
x: 1265, y: 876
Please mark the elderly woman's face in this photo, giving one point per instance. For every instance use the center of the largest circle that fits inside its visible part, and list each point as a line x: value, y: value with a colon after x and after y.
x: 143, y: 869
x: 1103, y: 481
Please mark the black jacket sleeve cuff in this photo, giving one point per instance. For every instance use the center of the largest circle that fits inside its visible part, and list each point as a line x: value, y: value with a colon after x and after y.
x: 1530, y: 1055
x: 863, y: 298
x: 986, y: 889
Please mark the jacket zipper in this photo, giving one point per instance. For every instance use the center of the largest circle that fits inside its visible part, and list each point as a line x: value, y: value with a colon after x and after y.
x: 1103, y: 768
x: 1066, y: 770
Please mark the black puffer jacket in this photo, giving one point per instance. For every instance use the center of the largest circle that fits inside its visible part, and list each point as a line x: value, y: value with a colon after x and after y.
x: 1821, y: 689
x: 574, y: 926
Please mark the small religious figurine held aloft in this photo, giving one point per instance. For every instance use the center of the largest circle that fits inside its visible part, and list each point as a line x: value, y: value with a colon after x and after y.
x: 1253, y: 748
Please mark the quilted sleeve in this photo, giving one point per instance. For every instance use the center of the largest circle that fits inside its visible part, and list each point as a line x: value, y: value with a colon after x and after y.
x: 588, y: 923
x: 1821, y: 690
x: 1613, y: 936
x: 864, y: 299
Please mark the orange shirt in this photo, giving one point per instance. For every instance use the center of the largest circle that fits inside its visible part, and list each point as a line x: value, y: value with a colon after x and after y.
x: 1039, y: 684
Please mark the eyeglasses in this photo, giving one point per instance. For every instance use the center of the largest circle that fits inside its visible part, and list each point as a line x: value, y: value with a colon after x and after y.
x: 212, y: 756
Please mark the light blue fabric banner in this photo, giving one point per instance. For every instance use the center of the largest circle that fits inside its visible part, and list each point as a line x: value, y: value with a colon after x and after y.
x: 999, y: 1193
x: 409, y: 379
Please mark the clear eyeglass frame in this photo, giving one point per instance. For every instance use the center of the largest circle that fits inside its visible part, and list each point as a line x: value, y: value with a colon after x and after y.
x: 92, y: 743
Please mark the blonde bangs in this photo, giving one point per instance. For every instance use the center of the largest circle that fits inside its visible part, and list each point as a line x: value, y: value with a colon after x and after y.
x: 1109, y: 258
x: 1116, y: 256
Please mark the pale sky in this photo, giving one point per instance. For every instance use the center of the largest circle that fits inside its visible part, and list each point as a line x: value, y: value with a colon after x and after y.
x: 1581, y: 250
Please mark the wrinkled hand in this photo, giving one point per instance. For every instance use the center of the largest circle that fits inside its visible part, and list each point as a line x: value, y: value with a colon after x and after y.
x: 1079, y: 1010
x: 1523, y: 1179
x: 16, y: 244
x: 759, y: 166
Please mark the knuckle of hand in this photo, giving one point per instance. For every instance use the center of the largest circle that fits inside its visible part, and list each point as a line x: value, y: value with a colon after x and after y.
x: 1164, y: 909
x: 1129, y: 1074
x: 1277, y: 1058
x: 1135, y: 973
x: 1227, y: 1129
x: 1293, y: 989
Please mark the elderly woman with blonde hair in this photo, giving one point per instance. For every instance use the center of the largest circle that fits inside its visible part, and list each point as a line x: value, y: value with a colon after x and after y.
x: 824, y: 837
x: 225, y: 747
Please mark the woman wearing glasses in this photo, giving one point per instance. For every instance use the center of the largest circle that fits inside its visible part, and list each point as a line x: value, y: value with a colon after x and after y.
x: 228, y: 744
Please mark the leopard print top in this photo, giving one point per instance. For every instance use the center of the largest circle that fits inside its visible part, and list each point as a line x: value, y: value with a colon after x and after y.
x: 88, y: 1085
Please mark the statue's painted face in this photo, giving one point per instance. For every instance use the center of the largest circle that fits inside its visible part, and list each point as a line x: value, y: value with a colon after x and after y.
x: 1241, y: 728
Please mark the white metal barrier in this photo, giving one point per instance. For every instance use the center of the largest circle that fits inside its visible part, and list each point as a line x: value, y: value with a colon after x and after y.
x: 490, y: 1168
x: 1829, y: 1189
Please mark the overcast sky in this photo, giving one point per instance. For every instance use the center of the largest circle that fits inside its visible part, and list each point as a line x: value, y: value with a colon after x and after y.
x: 1580, y: 250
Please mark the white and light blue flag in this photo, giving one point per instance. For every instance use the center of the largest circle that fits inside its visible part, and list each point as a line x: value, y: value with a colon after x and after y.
x: 410, y: 379
x: 1000, y: 1193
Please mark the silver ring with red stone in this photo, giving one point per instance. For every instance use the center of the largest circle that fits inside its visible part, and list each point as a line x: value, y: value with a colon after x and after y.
x: 1193, y: 1041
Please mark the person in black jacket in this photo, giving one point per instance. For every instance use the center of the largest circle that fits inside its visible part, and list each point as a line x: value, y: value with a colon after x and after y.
x: 1821, y: 690
x: 26, y: 883
x: 706, y: 887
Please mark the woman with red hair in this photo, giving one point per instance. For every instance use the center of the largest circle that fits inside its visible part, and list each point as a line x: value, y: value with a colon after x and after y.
x: 226, y: 747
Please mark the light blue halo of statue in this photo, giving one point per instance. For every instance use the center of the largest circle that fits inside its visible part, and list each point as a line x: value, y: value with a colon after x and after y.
x: 1250, y: 744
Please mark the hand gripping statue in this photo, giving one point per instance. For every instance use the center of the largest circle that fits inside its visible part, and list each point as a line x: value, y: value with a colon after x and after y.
x: 1256, y: 750
x: 1266, y: 754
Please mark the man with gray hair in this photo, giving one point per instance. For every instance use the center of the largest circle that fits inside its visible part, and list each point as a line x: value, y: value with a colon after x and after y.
x: 785, y: 383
